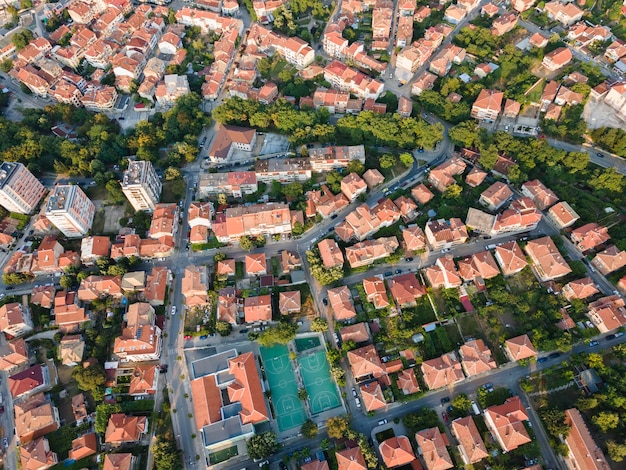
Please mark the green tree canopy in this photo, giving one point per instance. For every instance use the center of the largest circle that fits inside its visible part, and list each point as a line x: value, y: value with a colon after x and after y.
x: 337, y: 426
x: 309, y: 429
x: 91, y: 379
x: 261, y: 446
x: 279, y: 334
x: 319, y: 324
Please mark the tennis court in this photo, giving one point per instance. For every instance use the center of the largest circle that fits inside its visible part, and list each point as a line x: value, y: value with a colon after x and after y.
x: 282, y: 381
x: 318, y: 382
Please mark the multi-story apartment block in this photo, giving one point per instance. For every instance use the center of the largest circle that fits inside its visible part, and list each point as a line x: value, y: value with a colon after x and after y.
x: 283, y: 170
x: 260, y: 219
x: 330, y: 158
x: 141, y: 185
x: 70, y: 210
x: 345, y: 78
x: 295, y: 51
x: 235, y: 184
x: 20, y: 191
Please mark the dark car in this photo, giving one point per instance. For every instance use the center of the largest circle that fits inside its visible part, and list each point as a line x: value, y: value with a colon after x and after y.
x: 445, y: 400
x: 609, y: 337
x: 243, y: 331
x: 599, y: 155
x: 408, y: 260
x: 387, y: 274
x: 1, y: 408
x: 554, y: 355
x: 398, y: 271
x: 325, y: 302
x: 420, y: 150
x: 334, y: 216
x: 10, y: 288
x: 541, y: 360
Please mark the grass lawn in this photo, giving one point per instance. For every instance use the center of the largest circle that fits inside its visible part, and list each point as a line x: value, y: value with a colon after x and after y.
x: 97, y: 193
x: 98, y: 222
x: 223, y: 455
x: 534, y: 93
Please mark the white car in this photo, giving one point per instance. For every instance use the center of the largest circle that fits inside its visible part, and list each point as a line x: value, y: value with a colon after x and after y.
x: 358, y: 402
x: 173, y: 310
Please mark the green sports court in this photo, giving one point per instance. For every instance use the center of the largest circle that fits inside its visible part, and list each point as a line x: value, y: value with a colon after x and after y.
x: 282, y: 381
x: 320, y: 386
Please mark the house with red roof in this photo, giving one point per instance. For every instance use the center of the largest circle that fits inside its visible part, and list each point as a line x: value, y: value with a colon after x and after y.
x: 359, y: 333
x: 376, y: 292
x: 30, y: 381
x: 341, y: 304
x: 422, y: 194
x: 442, y: 371
x: 609, y: 260
x: 124, y: 429
x: 407, y: 382
x: 584, y: 452
x: 589, y: 236
x: 471, y: 445
x: 256, y: 264
x: 548, y: 263
x: 37, y: 455
x: 579, y: 289
x: 506, y: 423
x: 432, y: 445
x: 84, y: 446
x: 396, y: 451
x: 258, y: 308
x: 406, y: 289
x: 289, y: 302
x: 373, y: 398
x: 562, y: 215
x: 510, y: 258
x: 607, y: 313
x: 476, y: 357
x: 414, y: 239
x: 350, y: 459
x: 519, y: 348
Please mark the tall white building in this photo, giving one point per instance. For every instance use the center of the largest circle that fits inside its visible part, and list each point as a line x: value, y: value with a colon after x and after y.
x: 141, y: 185
x: 20, y: 190
x: 70, y: 210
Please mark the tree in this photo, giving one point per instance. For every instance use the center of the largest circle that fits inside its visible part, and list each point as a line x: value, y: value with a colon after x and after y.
x: 103, y: 413
x: 406, y: 159
x: 488, y: 157
x: 302, y: 394
x: 279, y: 334
x: 607, y: 179
x: 617, y: 451
x: 319, y: 324
x: 223, y: 328
x: 221, y: 199
x: 554, y: 421
x: 606, y: 420
x: 595, y: 361
x: 91, y: 379
x: 261, y: 446
x: 116, y: 196
x: 297, y: 229
x: 453, y: 191
x: 67, y: 281
x: 12, y: 279
x: 309, y: 429
x: 587, y: 403
x: 246, y: 243
x: 355, y: 166
x: 386, y: 161
x: 6, y: 65
x: 172, y: 173
x: 461, y: 402
x: 337, y: 426
x: 22, y: 39
x: 166, y: 455
x: 293, y: 190
x: 465, y: 134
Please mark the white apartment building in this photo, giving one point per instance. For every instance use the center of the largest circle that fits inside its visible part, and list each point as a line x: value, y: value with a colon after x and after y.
x: 20, y: 191
x: 70, y: 210
x: 141, y: 185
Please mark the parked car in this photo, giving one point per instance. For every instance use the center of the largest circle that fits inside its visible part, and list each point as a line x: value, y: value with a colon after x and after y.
x: 264, y: 463
x: 609, y: 337
x: 334, y: 216
x: 354, y: 392
x: 243, y: 331
x: 398, y: 271
x: 204, y: 336
x: 409, y: 259
x: 188, y: 337
x: 1, y: 408
x: 619, y: 334
x: 593, y: 343
x: 5, y: 443
x: 488, y: 387
x: 554, y: 355
x: 541, y: 360
x: 445, y: 400
x: 445, y: 417
x: 325, y: 302
x: 358, y: 402
x: 383, y: 421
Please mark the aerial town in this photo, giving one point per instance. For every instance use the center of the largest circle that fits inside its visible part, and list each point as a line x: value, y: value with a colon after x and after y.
x: 313, y: 234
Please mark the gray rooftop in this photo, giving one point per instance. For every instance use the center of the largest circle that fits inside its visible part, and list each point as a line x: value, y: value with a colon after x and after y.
x: 214, y: 364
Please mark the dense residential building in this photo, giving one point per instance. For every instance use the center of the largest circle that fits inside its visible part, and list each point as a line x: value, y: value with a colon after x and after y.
x: 92, y: 248
x: 345, y: 78
x: 565, y: 13
x: 30, y: 381
x: 330, y: 253
x: 332, y: 158
x: 141, y: 338
x: 558, y: 58
x: 579, y: 289
x: 351, y: 459
x: 13, y: 354
x: 233, y: 184
x: 340, y: 301
x: 20, y: 191
x: 195, y: 285
x: 260, y: 219
x: 37, y: 455
x: 442, y: 176
x: 488, y: 105
x: 15, y: 319
x: 70, y: 210
x: 124, y: 429
x: 495, y: 196
x: 95, y: 287
x: 584, y: 453
x: 170, y: 89
x: 442, y: 233
x: 406, y: 289
x: 35, y: 417
x: 367, y: 252
x: 542, y: 196
x: 589, y: 236
x: 141, y: 185
x: 293, y: 49
x: 547, y: 261
x: 284, y: 170
x: 607, y: 313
